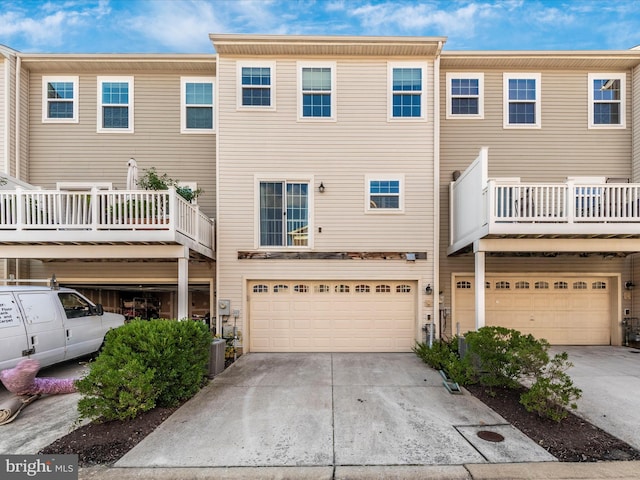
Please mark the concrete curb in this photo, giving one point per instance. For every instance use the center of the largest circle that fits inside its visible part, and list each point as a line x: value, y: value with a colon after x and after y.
x: 490, y: 471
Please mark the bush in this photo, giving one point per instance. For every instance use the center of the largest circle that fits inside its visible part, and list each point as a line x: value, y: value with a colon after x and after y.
x: 553, y: 391
x: 143, y: 365
x: 443, y: 355
x: 502, y: 357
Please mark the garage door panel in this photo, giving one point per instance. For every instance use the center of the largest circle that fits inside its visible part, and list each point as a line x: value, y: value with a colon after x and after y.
x: 332, y: 316
x: 564, y: 310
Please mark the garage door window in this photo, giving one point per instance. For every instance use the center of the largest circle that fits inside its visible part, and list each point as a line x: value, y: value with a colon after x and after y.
x: 260, y: 289
x: 363, y: 289
x: 599, y: 286
x: 281, y: 289
x: 560, y: 285
x: 342, y: 288
x: 403, y: 289
x: 322, y: 289
x: 503, y: 285
x: 579, y: 285
x: 301, y: 288
x: 542, y: 285
x: 383, y: 288
x: 522, y: 285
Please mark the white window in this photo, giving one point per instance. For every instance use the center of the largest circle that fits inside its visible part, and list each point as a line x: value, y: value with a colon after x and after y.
x: 196, y: 105
x: 522, y: 100
x: 317, y: 91
x: 283, y: 208
x: 407, y: 87
x: 256, y: 85
x: 384, y: 194
x: 607, y: 100
x: 60, y: 99
x: 115, y: 104
x: 465, y: 95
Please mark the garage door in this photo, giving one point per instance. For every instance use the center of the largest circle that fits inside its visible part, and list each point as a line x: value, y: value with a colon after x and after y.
x: 563, y: 310
x: 332, y: 316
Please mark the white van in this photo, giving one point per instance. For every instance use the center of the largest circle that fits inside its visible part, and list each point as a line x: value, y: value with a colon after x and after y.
x: 50, y: 324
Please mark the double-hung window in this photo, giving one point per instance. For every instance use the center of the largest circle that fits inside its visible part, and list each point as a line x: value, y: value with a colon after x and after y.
x: 115, y: 104
x: 522, y: 100
x: 407, y: 99
x: 257, y: 85
x: 197, y: 105
x: 384, y: 194
x: 284, y: 213
x: 607, y: 100
x: 59, y: 99
x: 465, y: 92
x: 317, y: 96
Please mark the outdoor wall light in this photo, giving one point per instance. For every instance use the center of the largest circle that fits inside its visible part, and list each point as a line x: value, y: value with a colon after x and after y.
x: 428, y: 290
x: 629, y: 285
x: 321, y: 187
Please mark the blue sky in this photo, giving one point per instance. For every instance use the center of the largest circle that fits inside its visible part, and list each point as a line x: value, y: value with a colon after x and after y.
x: 182, y: 26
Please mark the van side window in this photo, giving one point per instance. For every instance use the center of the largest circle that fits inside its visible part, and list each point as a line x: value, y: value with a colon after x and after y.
x: 74, y: 306
x: 38, y: 307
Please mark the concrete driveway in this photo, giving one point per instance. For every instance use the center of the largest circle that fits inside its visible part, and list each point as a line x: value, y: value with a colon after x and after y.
x: 328, y: 410
x: 610, y: 381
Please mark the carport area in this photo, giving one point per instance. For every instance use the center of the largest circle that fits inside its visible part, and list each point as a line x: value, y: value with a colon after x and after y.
x: 330, y: 410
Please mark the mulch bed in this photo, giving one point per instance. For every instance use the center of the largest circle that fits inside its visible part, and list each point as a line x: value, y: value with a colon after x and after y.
x: 572, y: 440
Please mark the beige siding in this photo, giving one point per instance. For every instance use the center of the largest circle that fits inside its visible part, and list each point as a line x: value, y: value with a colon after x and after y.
x: 564, y: 146
x: 635, y: 123
x: 75, y: 152
x: 23, y: 145
x: 338, y: 154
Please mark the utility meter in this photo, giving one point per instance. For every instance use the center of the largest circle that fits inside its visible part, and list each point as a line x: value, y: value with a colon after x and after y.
x: 224, y: 307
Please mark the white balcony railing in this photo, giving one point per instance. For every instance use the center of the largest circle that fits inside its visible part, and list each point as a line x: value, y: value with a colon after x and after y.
x: 95, y: 215
x: 480, y: 206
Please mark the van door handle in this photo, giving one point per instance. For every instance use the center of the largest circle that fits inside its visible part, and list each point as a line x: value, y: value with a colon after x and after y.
x: 68, y: 334
x: 34, y: 340
x: 31, y: 351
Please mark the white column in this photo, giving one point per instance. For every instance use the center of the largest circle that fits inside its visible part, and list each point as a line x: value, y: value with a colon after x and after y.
x: 480, y: 289
x: 183, y: 287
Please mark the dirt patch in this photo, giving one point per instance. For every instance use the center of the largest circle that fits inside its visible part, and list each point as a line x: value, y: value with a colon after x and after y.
x: 572, y: 440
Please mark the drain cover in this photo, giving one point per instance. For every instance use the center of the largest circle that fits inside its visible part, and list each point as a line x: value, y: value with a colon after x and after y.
x: 490, y: 436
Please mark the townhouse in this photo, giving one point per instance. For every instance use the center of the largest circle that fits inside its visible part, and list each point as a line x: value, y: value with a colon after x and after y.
x: 361, y: 187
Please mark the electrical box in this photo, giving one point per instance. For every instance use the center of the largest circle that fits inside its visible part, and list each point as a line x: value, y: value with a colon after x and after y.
x: 224, y: 308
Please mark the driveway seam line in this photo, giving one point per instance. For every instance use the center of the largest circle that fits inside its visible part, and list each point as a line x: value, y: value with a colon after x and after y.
x: 333, y: 420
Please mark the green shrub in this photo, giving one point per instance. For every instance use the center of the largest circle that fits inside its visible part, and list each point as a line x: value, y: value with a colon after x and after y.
x: 553, y: 391
x: 443, y: 355
x: 502, y: 357
x: 145, y: 364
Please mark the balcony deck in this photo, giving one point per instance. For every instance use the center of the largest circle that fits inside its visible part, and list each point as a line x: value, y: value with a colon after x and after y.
x: 507, y: 208
x: 109, y: 217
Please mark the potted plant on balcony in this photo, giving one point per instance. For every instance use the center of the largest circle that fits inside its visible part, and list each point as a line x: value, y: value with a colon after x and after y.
x: 151, y: 180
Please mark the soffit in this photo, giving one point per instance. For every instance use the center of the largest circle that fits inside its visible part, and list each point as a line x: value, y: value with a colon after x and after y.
x: 542, y: 60
x: 107, y: 63
x: 291, y: 45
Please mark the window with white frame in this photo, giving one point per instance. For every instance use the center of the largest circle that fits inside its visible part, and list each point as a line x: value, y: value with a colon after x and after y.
x: 384, y: 194
x: 407, y: 99
x: 607, y: 100
x: 257, y: 85
x: 115, y: 104
x: 317, y: 96
x: 59, y: 99
x: 283, y: 213
x: 522, y: 100
x: 197, y: 105
x: 465, y: 95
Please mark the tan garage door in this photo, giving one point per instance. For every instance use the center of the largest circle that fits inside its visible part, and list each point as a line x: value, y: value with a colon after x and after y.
x: 332, y: 316
x: 563, y: 310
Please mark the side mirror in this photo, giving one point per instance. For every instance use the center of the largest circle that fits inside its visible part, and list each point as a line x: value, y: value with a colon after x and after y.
x: 97, y: 309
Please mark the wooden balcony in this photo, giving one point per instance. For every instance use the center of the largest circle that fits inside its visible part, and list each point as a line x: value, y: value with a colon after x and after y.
x: 109, y: 217
x: 481, y: 207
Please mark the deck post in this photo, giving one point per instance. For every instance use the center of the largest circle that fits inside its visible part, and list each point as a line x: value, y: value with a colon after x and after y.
x: 480, y: 288
x: 183, y: 286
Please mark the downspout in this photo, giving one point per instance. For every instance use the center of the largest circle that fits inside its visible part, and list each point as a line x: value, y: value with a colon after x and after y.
x: 213, y: 296
x: 436, y: 189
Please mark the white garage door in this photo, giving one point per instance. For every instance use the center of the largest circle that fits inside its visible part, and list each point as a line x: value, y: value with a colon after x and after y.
x: 563, y: 310
x: 332, y: 316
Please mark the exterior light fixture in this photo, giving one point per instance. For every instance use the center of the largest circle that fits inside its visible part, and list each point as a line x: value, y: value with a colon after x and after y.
x: 321, y: 187
x: 428, y: 290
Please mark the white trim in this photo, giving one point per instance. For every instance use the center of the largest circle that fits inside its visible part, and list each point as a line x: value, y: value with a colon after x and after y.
x: 99, y: 118
x: 299, y: 67
x: 83, y: 186
x: 183, y: 105
x: 272, y: 87
x: 435, y: 307
x: 423, y: 93
x: 367, y: 195
x: 7, y: 115
x: 45, y: 100
x: 471, y: 76
x: 506, y: 76
x: 257, y: 178
x: 623, y: 99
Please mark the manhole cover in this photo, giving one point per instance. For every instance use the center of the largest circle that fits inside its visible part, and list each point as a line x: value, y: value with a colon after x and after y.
x: 490, y: 436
